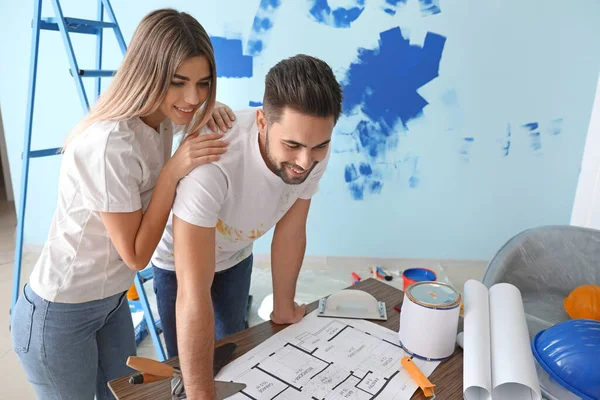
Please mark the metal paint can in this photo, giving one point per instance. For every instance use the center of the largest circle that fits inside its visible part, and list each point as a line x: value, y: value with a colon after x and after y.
x: 429, y: 320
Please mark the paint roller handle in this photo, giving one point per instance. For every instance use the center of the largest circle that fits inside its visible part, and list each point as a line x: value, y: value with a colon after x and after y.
x: 151, y: 367
x: 384, y: 274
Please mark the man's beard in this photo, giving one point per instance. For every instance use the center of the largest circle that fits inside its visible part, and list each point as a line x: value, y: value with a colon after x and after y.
x: 281, y: 169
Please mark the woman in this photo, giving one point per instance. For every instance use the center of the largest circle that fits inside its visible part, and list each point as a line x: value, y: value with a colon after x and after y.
x: 72, y: 327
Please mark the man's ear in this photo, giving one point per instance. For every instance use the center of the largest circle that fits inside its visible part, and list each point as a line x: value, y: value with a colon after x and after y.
x: 261, y: 121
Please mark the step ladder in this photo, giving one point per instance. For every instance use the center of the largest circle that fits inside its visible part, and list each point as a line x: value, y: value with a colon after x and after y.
x: 66, y: 25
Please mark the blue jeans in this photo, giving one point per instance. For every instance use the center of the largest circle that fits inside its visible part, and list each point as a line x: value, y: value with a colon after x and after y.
x: 229, y: 292
x: 71, y: 351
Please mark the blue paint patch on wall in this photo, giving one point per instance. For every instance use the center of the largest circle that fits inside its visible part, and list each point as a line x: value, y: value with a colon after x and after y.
x: 365, y: 169
x: 340, y: 17
x: 414, y: 179
x: 535, y: 136
x: 375, y: 187
x: 555, y: 126
x: 391, y: 7
x: 350, y: 173
x: 531, y: 126
x: 506, y: 147
x: 261, y: 26
x: 231, y: 62
x: 465, y: 148
x: 383, y: 84
x: 430, y: 7
x: 357, y: 191
x: 255, y: 103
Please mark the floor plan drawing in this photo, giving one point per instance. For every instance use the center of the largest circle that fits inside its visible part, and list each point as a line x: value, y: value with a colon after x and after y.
x: 326, y: 359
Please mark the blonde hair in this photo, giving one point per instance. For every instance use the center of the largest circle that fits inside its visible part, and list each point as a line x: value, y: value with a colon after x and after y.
x: 163, y: 40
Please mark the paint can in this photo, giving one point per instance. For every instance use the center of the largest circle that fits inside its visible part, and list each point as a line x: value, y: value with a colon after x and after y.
x: 413, y: 275
x: 429, y: 320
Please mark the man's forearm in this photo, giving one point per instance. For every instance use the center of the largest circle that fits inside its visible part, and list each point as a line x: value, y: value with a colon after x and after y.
x: 287, y: 254
x: 195, y: 339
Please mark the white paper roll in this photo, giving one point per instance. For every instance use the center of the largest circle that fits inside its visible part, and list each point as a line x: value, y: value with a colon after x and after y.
x: 477, y: 371
x: 498, y: 361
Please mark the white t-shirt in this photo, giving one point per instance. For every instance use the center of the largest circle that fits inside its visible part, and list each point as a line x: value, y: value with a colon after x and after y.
x: 112, y: 166
x: 239, y: 195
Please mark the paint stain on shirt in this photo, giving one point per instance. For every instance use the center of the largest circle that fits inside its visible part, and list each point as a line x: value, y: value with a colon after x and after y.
x: 237, y: 235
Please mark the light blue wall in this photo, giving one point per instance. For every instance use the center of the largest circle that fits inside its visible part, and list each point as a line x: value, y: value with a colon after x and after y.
x: 464, y: 121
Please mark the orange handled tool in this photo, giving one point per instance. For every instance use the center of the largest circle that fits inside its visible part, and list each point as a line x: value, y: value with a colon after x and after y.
x: 142, y: 377
x: 417, y: 376
x: 152, y: 367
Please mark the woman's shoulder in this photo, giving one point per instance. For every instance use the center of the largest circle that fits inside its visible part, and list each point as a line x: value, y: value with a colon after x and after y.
x: 107, y: 135
x: 122, y: 126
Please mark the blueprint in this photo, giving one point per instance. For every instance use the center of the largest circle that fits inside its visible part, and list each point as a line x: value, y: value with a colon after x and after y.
x: 326, y: 359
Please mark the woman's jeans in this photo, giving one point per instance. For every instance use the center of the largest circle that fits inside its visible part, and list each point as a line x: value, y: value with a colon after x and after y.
x: 229, y: 292
x: 71, y: 351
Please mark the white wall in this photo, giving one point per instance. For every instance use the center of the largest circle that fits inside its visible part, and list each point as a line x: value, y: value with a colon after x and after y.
x: 4, y: 163
x: 586, y: 208
x: 472, y: 144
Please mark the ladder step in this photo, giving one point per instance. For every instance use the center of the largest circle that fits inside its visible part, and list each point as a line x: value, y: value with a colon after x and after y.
x: 146, y: 275
x: 95, y: 73
x: 44, y: 153
x: 76, y: 25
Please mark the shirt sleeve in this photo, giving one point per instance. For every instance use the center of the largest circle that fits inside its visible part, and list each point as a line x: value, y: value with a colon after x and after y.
x: 110, y: 178
x: 200, y: 196
x: 312, y: 186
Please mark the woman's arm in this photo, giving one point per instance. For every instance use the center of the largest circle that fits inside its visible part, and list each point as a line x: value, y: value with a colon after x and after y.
x: 135, y: 235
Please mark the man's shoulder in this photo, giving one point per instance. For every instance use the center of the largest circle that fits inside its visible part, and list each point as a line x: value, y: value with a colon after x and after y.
x: 205, y: 172
x: 239, y: 137
x: 243, y: 125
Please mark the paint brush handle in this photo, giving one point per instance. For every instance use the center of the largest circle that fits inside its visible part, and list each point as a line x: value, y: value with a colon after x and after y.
x: 151, y: 367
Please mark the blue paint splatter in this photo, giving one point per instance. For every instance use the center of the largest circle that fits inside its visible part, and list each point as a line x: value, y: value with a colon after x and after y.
x: 231, y: 63
x: 506, y: 147
x: 357, y: 191
x: 383, y: 84
x: 531, y: 126
x: 365, y: 169
x: 372, y: 139
x: 350, y: 173
x: 430, y: 7
x: 262, y: 25
x: 340, y: 17
x: 465, y: 150
x: 375, y: 187
x: 393, y: 6
x: 255, y: 103
x: 534, y: 135
x: 414, y: 179
x: 555, y: 126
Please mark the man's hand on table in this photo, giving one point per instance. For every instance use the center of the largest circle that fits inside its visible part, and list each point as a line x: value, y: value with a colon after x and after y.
x: 292, y: 316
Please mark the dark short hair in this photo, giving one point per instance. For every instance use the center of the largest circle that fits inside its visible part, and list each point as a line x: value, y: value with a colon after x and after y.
x: 304, y: 84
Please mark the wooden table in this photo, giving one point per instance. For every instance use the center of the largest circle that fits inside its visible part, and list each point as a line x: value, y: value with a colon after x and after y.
x: 447, y: 377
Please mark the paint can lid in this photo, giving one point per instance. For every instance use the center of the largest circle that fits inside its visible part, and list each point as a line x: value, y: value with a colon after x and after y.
x: 433, y: 295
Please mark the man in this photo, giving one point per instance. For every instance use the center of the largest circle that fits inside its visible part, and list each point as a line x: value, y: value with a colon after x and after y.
x: 275, y: 159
